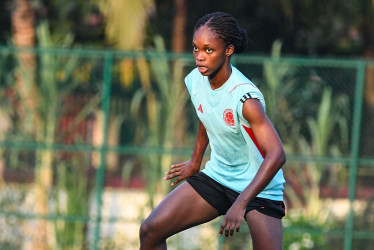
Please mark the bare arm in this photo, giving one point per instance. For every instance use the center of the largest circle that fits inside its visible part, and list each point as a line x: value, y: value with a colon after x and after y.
x: 270, y: 143
x: 201, y: 144
x: 186, y: 169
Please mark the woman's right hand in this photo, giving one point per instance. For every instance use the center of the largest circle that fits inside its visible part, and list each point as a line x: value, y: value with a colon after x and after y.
x: 182, y: 171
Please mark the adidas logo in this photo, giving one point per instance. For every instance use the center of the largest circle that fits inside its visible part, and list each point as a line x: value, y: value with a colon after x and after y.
x: 200, y: 109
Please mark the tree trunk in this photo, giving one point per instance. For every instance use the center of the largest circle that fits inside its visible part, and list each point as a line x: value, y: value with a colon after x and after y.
x: 5, y: 128
x: 367, y: 145
x: 23, y: 33
x: 24, y: 36
x: 179, y: 46
x: 179, y: 34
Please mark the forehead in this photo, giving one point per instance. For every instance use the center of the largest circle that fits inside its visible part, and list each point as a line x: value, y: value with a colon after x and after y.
x: 205, y: 35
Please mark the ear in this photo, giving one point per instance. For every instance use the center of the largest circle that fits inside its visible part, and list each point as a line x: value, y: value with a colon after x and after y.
x: 230, y: 50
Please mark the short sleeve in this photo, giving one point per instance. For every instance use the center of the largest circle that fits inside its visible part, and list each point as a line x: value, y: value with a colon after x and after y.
x: 187, y: 82
x: 191, y: 80
x: 248, y: 92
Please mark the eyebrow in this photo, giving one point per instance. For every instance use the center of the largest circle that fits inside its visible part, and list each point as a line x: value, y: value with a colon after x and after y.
x: 204, y: 45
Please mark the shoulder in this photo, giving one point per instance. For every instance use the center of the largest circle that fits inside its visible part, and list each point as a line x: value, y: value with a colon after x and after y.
x: 243, y: 88
x: 192, y: 79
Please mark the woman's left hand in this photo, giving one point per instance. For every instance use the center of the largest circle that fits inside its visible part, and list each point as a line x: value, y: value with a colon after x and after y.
x: 232, y: 219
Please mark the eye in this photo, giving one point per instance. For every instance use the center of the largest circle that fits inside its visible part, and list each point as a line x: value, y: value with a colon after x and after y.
x: 195, y: 48
x: 208, y: 50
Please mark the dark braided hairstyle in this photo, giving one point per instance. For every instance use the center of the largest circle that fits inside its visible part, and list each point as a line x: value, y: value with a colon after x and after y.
x: 227, y: 28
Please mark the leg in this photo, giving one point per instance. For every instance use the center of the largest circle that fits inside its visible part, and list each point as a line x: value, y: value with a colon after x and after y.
x: 266, y: 231
x: 181, y: 209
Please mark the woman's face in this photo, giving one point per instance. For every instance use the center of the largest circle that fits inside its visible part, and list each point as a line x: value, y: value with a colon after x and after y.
x: 210, y: 51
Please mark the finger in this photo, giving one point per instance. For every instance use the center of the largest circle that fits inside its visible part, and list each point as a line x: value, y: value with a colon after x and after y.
x: 171, y: 176
x: 222, y: 227
x: 237, y: 227
x: 177, y: 181
x: 173, y: 170
x: 177, y: 165
x: 232, y: 230
x: 227, y: 230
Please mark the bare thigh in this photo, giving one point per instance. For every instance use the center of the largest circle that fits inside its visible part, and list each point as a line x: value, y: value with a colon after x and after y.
x: 266, y: 231
x: 181, y: 209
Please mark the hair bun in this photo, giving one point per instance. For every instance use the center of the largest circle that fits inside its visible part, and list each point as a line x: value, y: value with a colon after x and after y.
x: 243, y: 44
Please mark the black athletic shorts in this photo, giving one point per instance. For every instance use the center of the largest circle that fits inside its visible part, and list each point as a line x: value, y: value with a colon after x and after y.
x: 222, y: 197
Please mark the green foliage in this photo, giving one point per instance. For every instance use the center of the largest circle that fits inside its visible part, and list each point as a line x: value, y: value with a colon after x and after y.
x: 323, y: 132
x: 314, y: 211
x: 279, y: 85
x: 126, y: 21
x: 56, y: 77
x: 77, y: 18
x: 163, y: 102
x: 72, y: 198
x: 300, y: 238
x: 59, y: 78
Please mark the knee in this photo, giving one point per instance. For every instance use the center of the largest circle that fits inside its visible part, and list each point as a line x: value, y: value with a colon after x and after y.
x: 148, y: 232
x: 144, y: 230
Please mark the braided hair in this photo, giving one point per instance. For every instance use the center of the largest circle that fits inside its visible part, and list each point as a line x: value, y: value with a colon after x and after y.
x: 227, y: 28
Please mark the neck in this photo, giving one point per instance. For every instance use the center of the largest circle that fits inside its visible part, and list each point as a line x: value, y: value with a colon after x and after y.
x: 219, y: 78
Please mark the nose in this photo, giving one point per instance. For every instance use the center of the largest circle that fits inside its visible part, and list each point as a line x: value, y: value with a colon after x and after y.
x: 199, y: 56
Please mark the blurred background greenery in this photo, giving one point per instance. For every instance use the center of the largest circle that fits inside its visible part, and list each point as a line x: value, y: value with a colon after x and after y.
x: 93, y: 110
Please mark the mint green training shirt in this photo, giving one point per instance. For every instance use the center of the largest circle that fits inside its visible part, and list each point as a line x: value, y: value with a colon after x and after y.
x: 235, y: 157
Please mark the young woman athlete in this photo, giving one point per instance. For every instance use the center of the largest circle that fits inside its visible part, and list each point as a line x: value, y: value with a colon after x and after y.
x: 243, y: 177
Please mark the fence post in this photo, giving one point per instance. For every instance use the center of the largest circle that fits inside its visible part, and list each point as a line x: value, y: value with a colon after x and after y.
x: 105, y: 105
x: 354, y: 158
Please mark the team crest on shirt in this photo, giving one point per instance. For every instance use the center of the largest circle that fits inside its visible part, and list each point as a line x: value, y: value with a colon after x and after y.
x: 228, y: 117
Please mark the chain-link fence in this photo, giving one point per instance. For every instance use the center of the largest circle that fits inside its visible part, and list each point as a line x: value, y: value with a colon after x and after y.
x: 85, y: 137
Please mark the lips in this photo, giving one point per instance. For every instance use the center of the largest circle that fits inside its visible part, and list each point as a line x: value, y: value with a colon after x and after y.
x: 202, y: 69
